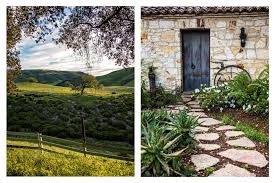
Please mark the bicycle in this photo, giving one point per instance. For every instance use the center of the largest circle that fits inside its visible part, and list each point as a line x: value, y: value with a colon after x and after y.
x: 227, y: 73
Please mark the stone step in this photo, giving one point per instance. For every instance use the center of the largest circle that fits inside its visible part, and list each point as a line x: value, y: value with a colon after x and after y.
x: 194, y: 106
x: 232, y: 171
x: 193, y: 103
x: 209, y: 147
x: 230, y: 134
x: 250, y: 157
x: 241, y: 142
x: 199, y: 114
x: 202, y: 161
x: 200, y: 129
x: 185, y: 100
x: 210, y: 122
x: 196, y: 110
x: 207, y: 136
x: 225, y: 127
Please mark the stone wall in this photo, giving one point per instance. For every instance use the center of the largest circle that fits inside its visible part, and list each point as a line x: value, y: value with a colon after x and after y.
x: 161, y: 44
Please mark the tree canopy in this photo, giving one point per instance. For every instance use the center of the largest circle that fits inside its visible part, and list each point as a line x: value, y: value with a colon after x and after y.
x: 88, y: 31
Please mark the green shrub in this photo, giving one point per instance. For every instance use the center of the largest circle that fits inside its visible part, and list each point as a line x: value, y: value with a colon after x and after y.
x: 239, y: 93
x: 161, y: 99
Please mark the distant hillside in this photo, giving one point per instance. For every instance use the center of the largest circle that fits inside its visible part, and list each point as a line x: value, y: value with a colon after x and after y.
x: 49, y: 76
x: 123, y: 77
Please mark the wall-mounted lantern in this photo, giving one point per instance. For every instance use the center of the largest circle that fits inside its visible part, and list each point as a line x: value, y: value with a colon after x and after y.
x: 152, y: 81
x: 243, y: 37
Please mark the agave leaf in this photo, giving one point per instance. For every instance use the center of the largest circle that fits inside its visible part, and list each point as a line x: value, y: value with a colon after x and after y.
x: 169, y: 144
x: 164, y: 165
x: 144, y: 147
x: 143, y: 151
x: 177, y: 153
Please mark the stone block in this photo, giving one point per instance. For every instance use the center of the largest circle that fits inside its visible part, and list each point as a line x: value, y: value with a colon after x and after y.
x: 221, y: 23
x: 262, y: 53
x: 260, y: 22
x: 250, y: 54
x: 264, y: 31
x: 168, y: 36
x: 153, y: 24
x: 166, y: 24
x: 261, y: 43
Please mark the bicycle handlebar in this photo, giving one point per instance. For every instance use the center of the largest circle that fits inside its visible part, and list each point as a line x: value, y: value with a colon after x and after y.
x: 222, y: 64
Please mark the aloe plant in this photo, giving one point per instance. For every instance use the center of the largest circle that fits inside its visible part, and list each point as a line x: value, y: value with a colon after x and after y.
x: 158, y: 151
x: 184, y: 125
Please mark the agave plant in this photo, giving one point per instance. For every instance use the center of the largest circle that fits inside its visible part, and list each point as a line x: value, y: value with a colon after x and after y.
x: 158, y: 151
x: 183, y: 125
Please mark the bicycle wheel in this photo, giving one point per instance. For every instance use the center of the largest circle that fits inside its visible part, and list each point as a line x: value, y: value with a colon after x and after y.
x: 227, y: 73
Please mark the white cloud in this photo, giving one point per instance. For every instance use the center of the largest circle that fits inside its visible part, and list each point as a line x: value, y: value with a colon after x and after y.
x: 56, y: 57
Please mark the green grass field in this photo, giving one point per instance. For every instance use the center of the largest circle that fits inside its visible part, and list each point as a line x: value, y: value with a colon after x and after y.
x: 51, y: 89
x: 31, y: 162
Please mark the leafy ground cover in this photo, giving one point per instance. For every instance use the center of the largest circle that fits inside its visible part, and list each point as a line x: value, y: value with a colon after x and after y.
x: 30, y: 162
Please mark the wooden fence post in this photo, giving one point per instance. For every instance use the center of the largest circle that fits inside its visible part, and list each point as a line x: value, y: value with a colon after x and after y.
x: 40, y: 142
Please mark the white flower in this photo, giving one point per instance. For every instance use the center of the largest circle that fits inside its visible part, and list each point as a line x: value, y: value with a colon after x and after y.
x: 197, y: 90
x: 221, y: 109
x: 243, y: 107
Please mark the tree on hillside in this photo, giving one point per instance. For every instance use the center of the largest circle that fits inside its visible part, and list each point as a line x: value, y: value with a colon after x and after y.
x: 87, y: 81
x: 32, y: 80
x: 85, y: 30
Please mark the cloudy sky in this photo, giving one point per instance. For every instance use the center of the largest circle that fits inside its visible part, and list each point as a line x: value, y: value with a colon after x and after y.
x: 56, y: 57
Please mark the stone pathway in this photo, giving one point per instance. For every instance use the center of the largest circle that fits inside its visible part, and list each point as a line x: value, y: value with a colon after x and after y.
x: 230, y: 144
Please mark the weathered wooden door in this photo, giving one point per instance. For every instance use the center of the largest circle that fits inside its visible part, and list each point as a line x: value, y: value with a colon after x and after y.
x: 196, y: 64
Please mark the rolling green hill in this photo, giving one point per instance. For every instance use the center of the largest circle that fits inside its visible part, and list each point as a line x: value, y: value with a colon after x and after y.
x: 123, y: 77
x: 49, y: 76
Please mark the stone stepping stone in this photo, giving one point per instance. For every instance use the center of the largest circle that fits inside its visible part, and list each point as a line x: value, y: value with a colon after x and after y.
x: 196, y: 110
x: 186, y: 99
x: 210, y: 122
x: 241, y: 142
x: 200, y: 129
x: 200, y: 120
x: 207, y: 136
x: 229, y: 134
x: 181, y: 108
x: 250, y: 157
x: 209, y: 147
x: 193, y: 103
x: 232, y: 171
x: 202, y: 161
x: 199, y: 114
x: 225, y: 127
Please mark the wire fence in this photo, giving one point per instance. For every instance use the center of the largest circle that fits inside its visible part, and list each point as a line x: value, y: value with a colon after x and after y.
x: 86, y: 149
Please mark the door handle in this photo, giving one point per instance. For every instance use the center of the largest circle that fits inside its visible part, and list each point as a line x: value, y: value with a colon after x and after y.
x: 193, y: 66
